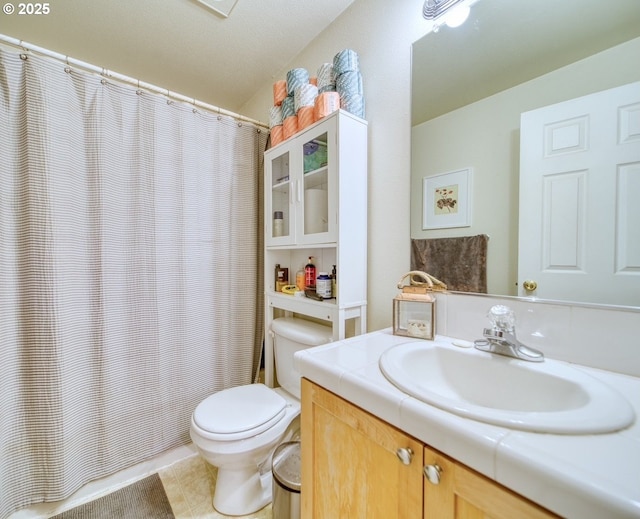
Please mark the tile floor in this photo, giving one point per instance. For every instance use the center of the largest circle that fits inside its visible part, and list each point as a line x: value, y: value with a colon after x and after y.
x: 189, y: 485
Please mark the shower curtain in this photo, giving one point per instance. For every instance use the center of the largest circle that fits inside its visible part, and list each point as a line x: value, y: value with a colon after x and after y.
x: 129, y: 272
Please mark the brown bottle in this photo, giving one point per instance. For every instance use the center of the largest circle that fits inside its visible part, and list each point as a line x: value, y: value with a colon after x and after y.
x: 310, y: 275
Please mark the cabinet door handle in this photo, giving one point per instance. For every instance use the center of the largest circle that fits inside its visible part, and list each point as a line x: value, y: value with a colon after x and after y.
x: 405, y: 455
x: 292, y: 192
x: 433, y: 473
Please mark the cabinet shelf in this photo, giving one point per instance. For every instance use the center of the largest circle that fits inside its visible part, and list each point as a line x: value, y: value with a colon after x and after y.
x: 318, y: 178
x: 288, y: 300
x: 319, y: 246
x: 313, y: 172
x: 281, y: 186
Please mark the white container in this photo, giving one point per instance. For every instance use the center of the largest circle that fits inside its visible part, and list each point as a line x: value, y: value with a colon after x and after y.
x: 315, y: 211
x: 278, y: 224
x: 323, y: 285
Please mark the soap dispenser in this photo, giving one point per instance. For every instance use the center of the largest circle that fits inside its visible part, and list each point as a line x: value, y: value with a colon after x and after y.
x: 310, y: 275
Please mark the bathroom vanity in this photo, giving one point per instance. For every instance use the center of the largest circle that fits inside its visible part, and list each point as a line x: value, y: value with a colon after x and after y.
x: 396, y: 474
x: 371, y: 450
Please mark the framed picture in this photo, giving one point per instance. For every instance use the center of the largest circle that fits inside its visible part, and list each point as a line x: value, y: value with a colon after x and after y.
x: 446, y: 200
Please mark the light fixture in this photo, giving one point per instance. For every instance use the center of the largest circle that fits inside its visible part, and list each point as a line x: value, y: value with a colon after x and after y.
x: 222, y: 7
x: 450, y: 12
x: 457, y: 16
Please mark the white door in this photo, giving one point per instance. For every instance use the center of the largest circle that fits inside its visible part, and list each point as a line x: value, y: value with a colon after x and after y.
x: 579, y: 229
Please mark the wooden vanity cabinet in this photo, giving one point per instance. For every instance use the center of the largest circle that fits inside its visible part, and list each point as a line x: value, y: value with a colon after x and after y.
x: 464, y: 494
x: 351, y: 469
x: 349, y: 464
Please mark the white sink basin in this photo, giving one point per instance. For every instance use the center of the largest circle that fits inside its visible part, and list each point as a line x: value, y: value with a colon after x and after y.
x: 549, y: 397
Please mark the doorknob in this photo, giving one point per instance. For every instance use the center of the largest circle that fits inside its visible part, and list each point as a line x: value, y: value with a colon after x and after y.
x: 405, y: 455
x: 529, y: 285
x: 433, y: 473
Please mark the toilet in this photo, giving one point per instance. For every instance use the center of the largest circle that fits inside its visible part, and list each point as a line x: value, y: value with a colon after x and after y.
x: 237, y: 429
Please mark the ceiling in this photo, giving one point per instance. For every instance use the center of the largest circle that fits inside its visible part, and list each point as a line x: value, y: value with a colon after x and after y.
x: 181, y: 45
x: 507, y: 42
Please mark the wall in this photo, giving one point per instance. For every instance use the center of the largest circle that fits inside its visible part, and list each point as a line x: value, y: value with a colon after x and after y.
x: 381, y: 33
x: 485, y: 136
x: 570, y: 332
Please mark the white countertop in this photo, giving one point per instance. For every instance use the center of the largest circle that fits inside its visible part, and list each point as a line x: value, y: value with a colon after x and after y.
x: 585, y: 476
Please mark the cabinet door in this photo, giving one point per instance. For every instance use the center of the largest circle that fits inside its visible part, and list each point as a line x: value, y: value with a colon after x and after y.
x: 316, y: 185
x: 462, y: 493
x: 279, y: 197
x: 301, y: 188
x: 350, y: 467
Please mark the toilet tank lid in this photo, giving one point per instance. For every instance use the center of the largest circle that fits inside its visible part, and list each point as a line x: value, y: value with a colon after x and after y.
x: 249, y: 409
x: 302, y: 331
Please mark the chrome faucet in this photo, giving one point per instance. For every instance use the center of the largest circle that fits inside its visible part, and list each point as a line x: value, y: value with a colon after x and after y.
x: 501, y: 338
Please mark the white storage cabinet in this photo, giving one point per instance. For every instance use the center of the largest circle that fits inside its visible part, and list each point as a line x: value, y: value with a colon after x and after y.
x: 317, y: 181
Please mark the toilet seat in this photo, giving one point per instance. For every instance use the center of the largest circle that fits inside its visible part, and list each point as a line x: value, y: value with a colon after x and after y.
x: 238, y: 413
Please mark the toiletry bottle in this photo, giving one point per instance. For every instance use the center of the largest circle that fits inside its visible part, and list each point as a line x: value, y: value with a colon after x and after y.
x: 334, y: 282
x: 282, y: 277
x: 278, y: 224
x: 300, y: 280
x: 310, y: 275
x: 323, y: 285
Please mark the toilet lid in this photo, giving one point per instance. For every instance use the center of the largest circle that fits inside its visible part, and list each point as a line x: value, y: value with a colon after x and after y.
x: 240, y: 412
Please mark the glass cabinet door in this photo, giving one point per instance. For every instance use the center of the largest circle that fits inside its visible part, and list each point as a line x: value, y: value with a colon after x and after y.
x: 281, y: 192
x: 315, y: 190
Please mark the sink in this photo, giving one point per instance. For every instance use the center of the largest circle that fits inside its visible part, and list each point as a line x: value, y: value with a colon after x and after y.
x: 548, y: 397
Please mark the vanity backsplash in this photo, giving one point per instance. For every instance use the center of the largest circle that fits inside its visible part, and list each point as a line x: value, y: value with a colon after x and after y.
x: 599, y: 337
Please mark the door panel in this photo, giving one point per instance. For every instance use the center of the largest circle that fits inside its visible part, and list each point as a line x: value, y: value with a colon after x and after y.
x: 579, y: 234
x: 350, y: 466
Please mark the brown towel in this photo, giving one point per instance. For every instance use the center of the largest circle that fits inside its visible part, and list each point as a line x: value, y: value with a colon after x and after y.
x: 461, y: 263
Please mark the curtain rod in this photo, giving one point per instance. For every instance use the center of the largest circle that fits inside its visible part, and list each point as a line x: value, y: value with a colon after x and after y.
x: 29, y: 47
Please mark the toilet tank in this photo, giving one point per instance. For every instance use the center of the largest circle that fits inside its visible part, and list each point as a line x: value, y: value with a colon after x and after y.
x: 291, y: 335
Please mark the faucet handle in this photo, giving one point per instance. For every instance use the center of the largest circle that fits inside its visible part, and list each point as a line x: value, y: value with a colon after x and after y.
x: 502, y: 318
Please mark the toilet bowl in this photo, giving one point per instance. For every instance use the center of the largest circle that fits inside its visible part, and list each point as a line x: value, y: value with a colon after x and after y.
x: 237, y: 429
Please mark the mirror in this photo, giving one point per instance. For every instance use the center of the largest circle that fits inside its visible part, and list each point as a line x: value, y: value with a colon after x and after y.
x: 470, y: 85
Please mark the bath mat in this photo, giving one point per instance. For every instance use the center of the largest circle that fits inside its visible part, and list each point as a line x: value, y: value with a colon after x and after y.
x: 144, y: 499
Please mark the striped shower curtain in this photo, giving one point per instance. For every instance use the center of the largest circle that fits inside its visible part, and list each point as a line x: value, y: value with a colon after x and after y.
x: 129, y: 273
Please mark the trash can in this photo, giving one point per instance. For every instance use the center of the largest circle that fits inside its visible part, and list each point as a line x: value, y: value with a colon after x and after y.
x: 286, y: 481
